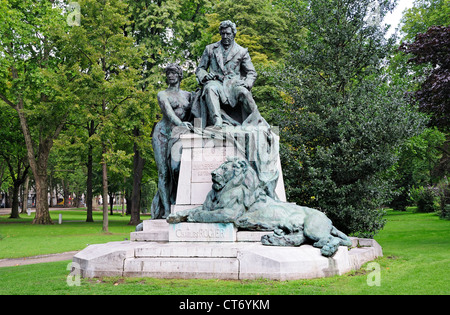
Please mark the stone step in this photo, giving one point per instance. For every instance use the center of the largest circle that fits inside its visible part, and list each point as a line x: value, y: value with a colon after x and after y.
x: 152, y: 225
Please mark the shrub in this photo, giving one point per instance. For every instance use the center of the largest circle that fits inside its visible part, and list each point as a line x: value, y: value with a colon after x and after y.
x: 443, y: 192
x: 426, y: 198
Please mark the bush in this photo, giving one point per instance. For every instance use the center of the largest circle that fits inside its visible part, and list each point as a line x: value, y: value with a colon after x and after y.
x: 426, y: 198
x: 443, y: 192
x: 400, y: 202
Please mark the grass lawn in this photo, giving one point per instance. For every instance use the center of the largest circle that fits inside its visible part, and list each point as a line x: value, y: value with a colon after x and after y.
x: 20, y: 238
x: 416, y: 260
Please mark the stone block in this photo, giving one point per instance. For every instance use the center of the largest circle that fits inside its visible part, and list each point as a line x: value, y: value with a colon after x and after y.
x: 186, y: 250
x: 103, y: 260
x: 182, y: 268
x: 152, y: 231
x: 155, y: 225
x: 200, y: 156
x: 289, y: 263
x: 250, y: 236
x: 199, y: 191
x: 176, y: 208
x: 159, y: 236
x: 202, y: 232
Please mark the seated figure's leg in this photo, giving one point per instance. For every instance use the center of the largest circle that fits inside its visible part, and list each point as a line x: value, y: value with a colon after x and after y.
x: 212, y: 99
x: 245, y: 97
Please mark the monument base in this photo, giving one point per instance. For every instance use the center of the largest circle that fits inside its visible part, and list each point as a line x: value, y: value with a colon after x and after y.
x: 241, y: 257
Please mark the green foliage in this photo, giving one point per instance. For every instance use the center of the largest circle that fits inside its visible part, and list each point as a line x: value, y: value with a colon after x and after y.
x: 28, y: 47
x: 424, y: 14
x: 148, y: 192
x: 426, y: 198
x: 417, y: 159
x: 168, y: 30
x: 342, y: 120
x: 443, y: 192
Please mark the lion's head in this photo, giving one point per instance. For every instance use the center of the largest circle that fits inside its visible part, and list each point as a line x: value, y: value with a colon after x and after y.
x: 233, y: 172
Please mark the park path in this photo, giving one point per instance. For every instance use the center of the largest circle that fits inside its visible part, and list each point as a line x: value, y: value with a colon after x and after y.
x: 9, y: 262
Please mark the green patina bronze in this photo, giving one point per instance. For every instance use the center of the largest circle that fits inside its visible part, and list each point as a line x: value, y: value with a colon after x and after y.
x: 175, y: 106
x: 237, y: 197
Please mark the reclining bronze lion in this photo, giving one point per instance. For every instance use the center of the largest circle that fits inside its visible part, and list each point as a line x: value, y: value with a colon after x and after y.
x: 237, y: 197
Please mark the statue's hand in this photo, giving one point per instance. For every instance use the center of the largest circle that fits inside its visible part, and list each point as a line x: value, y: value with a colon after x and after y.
x: 187, y: 125
x: 210, y: 76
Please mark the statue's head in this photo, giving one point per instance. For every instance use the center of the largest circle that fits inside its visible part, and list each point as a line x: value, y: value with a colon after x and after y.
x: 227, y: 30
x: 235, y: 171
x: 173, y: 72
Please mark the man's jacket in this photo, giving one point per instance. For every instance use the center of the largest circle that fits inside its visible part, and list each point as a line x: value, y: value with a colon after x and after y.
x: 236, y: 66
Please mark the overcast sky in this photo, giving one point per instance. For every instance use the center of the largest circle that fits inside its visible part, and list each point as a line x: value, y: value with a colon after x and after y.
x: 394, y: 18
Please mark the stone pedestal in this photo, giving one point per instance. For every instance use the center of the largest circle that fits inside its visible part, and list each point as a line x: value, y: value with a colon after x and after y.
x: 212, y: 250
x: 219, y: 260
x: 200, y: 156
x: 217, y: 251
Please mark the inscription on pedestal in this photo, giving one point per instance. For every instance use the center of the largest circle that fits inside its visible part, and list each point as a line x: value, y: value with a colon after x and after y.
x: 202, y: 232
x: 206, y: 160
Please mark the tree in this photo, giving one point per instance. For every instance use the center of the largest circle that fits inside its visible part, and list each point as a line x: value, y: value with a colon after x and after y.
x: 424, y: 14
x: 13, y: 153
x: 106, y: 65
x: 417, y: 158
x: 433, y: 48
x: 166, y: 29
x: 28, y: 48
x: 342, y: 118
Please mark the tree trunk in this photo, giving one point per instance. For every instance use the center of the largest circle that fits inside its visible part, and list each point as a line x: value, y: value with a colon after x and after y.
x: 89, y: 187
x: 66, y: 194
x: 50, y: 184
x: 42, y: 212
x: 105, y: 190
x: 25, y: 195
x: 39, y: 165
x: 15, y: 201
x: 89, y: 196
x: 138, y: 166
x: 111, y: 204
x: 129, y: 202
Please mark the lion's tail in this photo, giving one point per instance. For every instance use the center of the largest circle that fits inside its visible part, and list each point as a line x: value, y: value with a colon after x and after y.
x: 345, y: 241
